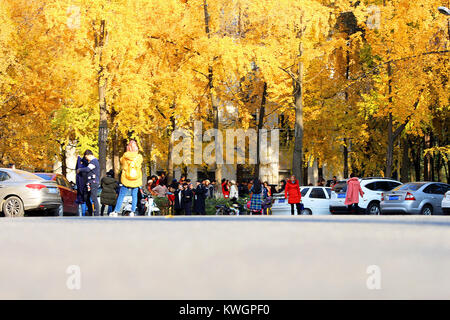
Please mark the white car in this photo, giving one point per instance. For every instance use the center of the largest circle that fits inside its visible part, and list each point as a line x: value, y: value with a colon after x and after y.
x: 373, y: 189
x: 316, y: 201
x: 446, y: 203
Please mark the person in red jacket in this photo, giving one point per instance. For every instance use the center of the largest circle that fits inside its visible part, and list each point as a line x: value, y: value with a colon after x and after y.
x: 225, y: 189
x: 293, y: 194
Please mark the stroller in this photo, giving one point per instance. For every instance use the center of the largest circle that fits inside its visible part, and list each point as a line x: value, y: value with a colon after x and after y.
x: 267, y: 206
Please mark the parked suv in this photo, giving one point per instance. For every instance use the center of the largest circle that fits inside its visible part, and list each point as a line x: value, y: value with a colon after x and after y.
x: 373, y: 189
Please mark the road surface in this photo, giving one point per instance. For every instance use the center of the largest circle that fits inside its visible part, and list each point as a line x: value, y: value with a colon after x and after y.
x: 301, y: 257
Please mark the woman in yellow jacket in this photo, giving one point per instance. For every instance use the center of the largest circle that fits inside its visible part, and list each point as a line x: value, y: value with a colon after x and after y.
x: 131, y: 177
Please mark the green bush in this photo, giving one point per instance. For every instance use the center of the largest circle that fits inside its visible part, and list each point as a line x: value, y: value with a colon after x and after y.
x: 162, y: 204
x: 212, y: 203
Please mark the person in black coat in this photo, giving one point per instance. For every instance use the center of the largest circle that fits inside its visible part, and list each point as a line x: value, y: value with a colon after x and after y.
x: 199, y: 199
x: 81, y: 182
x: 179, y: 200
x: 188, y: 196
x: 109, y: 187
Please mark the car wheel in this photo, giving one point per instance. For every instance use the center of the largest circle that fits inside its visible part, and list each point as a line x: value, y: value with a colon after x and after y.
x: 374, y: 209
x: 427, y: 210
x: 307, y: 212
x: 13, y: 207
x: 57, y: 212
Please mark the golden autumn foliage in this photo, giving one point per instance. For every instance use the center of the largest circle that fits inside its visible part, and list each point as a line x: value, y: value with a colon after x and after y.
x: 369, y: 74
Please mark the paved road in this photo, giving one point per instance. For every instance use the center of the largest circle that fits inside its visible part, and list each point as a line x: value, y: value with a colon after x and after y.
x: 225, y: 257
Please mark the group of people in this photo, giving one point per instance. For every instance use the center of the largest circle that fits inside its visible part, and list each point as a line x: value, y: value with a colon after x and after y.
x: 113, y: 193
x: 184, y: 198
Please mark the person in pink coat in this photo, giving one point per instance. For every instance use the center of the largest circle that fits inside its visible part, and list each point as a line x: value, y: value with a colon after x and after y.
x: 353, y: 192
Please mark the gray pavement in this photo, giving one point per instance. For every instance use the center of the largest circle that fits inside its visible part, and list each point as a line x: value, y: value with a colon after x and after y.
x: 324, y: 257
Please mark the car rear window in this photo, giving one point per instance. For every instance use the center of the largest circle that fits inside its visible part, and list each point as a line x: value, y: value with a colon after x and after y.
x: 341, y: 186
x: 382, y: 185
x: 409, y: 186
x: 25, y: 175
x: 44, y: 176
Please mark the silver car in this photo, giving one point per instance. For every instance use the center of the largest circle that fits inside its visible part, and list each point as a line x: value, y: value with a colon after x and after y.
x: 21, y: 191
x: 415, y: 198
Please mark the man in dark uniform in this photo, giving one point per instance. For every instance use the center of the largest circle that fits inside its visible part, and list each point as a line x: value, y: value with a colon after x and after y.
x: 188, y: 195
x: 178, y: 202
x: 199, y: 199
x: 93, y: 179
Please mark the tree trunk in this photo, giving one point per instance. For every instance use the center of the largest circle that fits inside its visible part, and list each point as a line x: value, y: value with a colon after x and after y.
x: 297, y: 159
x: 405, y: 167
x: 100, y: 40
x: 214, y: 105
x: 416, y: 159
x: 262, y: 111
x: 319, y: 169
x: 63, y: 160
x: 346, y: 140
x: 305, y: 172
x: 438, y: 167
x: 345, y: 153
x: 427, y: 166
x: 169, y: 153
x: 430, y: 145
x: 115, y: 154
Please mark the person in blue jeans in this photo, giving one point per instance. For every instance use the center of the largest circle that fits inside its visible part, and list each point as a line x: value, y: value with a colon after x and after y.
x: 123, y: 191
x: 131, y: 178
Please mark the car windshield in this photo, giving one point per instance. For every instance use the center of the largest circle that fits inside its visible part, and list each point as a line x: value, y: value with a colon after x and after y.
x: 409, y: 186
x: 45, y: 176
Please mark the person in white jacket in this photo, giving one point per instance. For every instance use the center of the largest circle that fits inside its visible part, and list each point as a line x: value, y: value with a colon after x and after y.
x: 234, y: 193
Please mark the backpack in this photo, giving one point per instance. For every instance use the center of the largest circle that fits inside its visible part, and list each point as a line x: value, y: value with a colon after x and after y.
x: 132, y: 172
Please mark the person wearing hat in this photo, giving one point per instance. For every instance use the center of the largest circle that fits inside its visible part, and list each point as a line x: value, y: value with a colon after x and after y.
x: 108, y: 196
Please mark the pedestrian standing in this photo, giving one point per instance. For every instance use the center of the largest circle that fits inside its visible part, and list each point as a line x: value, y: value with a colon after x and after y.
x: 188, y: 195
x: 256, y: 196
x: 131, y: 177
x: 108, y: 198
x: 163, y: 179
x: 293, y: 194
x: 333, y: 182
x: 171, y: 198
x: 283, y: 186
x: 200, y: 198
x: 267, y: 190
x: 93, y: 179
x: 179, y: 200
x: 353, y: 192
x: 225, y: 189
x: 234, y: 192
x: 160, y: 191
x: 81, y: 182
